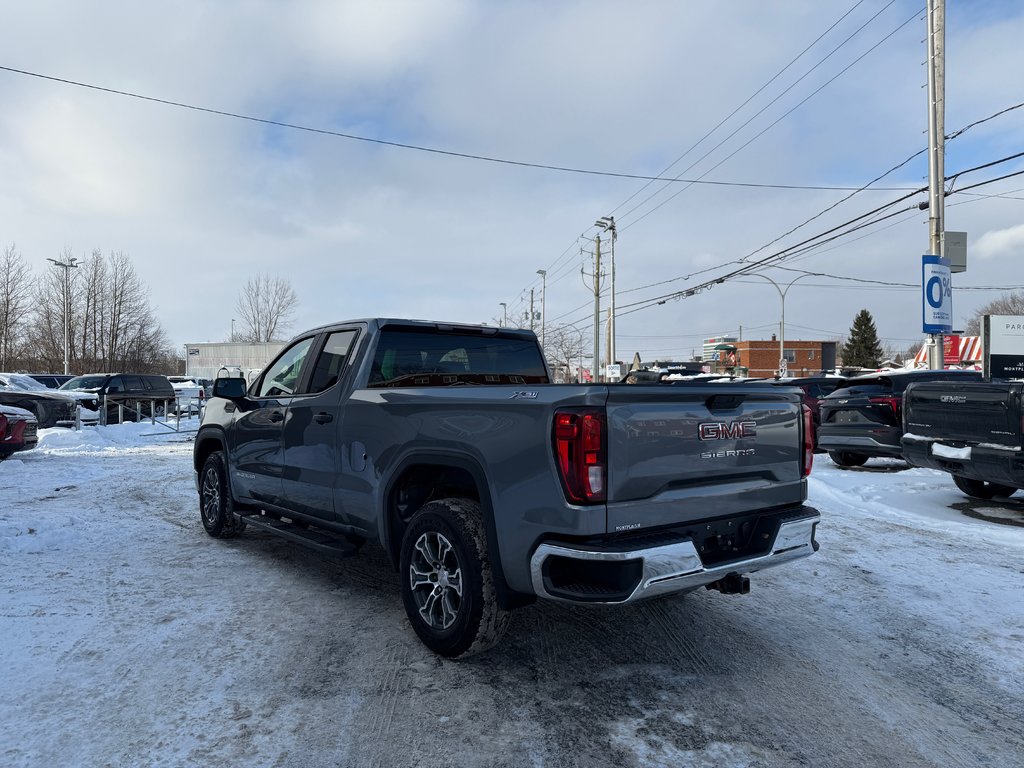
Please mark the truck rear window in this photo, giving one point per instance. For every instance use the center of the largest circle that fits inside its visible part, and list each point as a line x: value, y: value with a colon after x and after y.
x: 427, y: 358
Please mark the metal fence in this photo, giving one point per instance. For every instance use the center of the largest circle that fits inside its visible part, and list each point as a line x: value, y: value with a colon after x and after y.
x: 178, y: 415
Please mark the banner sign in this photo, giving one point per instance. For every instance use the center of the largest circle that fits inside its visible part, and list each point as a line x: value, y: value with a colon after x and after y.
x: 936, y: 295
x: 951, y: 350
x: 1003, y: 341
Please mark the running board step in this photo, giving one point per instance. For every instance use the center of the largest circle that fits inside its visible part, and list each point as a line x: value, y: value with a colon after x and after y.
x: 323, y: 542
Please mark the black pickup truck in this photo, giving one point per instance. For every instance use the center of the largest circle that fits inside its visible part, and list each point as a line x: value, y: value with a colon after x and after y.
x: 490, y: 487
x: 972, y: 430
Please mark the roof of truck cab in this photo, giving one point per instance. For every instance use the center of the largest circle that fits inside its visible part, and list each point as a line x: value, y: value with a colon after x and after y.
x: 382, y: 322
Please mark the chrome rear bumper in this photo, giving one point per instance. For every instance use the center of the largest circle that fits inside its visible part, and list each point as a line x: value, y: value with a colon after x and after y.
x: 676, y: 567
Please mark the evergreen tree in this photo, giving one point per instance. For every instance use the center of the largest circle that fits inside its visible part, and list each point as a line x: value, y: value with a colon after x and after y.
x: 862, y: 348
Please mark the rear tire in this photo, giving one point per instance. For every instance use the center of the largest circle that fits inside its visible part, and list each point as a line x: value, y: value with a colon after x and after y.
x: 447, y: 582
x: 216, y: 507
x: 848, y: 458
x: 979, y: 489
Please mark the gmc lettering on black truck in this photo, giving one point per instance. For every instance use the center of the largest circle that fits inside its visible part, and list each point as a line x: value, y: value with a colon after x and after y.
x: 489, y: 486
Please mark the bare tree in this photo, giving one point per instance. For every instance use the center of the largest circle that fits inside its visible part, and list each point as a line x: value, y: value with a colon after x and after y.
x: 266, y: 307
x: 113, y: 326
x: 564, y: 347
x: 1007, y: 304
x: 15, y: 302
x: 53, y: 293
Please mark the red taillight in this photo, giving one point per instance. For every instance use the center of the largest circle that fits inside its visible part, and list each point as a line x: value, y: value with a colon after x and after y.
x: 579, y: 442
x: 892, y: 402
x: 808, y: 454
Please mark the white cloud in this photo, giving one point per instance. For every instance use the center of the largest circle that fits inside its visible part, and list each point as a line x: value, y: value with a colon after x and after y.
x: 999, y: 243
x: 363, y: 229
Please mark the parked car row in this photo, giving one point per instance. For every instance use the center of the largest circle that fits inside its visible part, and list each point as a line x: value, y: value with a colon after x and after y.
x: 49, y: 407
x: 863, y: 419
x: 128, y: 396
x: 138, y: 395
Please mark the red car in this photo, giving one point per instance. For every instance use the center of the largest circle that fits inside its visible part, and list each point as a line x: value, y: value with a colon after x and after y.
x: 17, y: 430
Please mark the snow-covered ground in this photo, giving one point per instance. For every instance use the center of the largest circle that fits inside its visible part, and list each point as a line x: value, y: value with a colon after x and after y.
x: 130, y: 638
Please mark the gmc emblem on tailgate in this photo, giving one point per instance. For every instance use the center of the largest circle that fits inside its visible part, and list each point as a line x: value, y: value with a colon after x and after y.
x: 726, y: 430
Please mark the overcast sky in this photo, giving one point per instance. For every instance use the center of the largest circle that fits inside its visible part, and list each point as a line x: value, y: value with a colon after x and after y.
x: 364, y: 229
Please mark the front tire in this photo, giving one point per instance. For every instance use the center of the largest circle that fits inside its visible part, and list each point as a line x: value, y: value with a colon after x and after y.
x: 447, y: 581
x: 979, y: 489
x: 847, y: 458
x: 216, y: 507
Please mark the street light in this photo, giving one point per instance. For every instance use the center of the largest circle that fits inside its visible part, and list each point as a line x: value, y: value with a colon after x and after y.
x: 607, y: 223
x: 504, y: 309
x: 543, y: 303
x: 782, y: 319
x: 67, y: 266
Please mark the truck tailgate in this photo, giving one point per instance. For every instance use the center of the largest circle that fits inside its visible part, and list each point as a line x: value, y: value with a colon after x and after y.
x: 970, y: 412
x: 678, y: 454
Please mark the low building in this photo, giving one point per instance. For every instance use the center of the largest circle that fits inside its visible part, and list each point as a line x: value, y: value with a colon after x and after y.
x: 205, y: 360
x: 760, y: 358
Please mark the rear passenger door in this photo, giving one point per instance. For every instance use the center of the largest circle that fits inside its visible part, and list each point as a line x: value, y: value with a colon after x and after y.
x: 312, y: 430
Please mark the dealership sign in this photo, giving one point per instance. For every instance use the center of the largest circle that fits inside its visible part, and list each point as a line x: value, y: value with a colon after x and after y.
x: 937, y: 295
x: 1003, y: 343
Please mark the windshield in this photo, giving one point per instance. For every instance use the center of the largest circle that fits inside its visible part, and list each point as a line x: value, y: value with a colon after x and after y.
x: 85, y: 382
x: 21, y: 381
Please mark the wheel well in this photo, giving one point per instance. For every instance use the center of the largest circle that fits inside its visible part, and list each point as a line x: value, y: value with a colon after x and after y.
x: 417, y: 485
x: 204, y: 449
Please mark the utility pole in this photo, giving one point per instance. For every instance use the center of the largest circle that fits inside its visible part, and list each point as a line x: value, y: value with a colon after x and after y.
x: 597, y: 311
x: 67, y: 266
x: 936, y: 147
x: 531, y: 309
x: 504, y: 310
x: 543, y: 303
x: 607, y: 223
x: 596, y: 362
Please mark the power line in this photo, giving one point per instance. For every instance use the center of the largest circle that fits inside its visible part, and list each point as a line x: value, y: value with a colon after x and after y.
x: 779, y: 119
x: 916, y: 286
x: 413, y: 147
x: 833, y: 206
x: 750, y: 98
x: 809, y: 243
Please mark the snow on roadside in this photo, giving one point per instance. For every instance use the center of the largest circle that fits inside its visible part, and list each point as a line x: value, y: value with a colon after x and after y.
x: 26, y: 527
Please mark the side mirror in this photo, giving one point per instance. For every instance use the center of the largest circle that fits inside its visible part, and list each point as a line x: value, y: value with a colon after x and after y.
x: 232, y: 389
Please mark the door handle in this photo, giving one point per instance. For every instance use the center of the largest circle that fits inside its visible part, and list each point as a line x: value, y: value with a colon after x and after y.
x: 276, y: 416
x: 323, y: 418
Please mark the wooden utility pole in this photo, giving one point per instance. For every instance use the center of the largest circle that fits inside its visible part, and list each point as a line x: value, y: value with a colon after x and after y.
x: 936, y: 147
x: 597, y: 311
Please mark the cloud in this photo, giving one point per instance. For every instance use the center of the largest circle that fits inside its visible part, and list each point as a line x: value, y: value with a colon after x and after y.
x: 202, y: 202
x: 999, y: 243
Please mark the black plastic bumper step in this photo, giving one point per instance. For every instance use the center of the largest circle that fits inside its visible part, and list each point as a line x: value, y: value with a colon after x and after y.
x: 321, y: 541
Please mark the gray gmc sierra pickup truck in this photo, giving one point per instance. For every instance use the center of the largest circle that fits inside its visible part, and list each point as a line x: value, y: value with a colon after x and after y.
x: 489, y: 486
